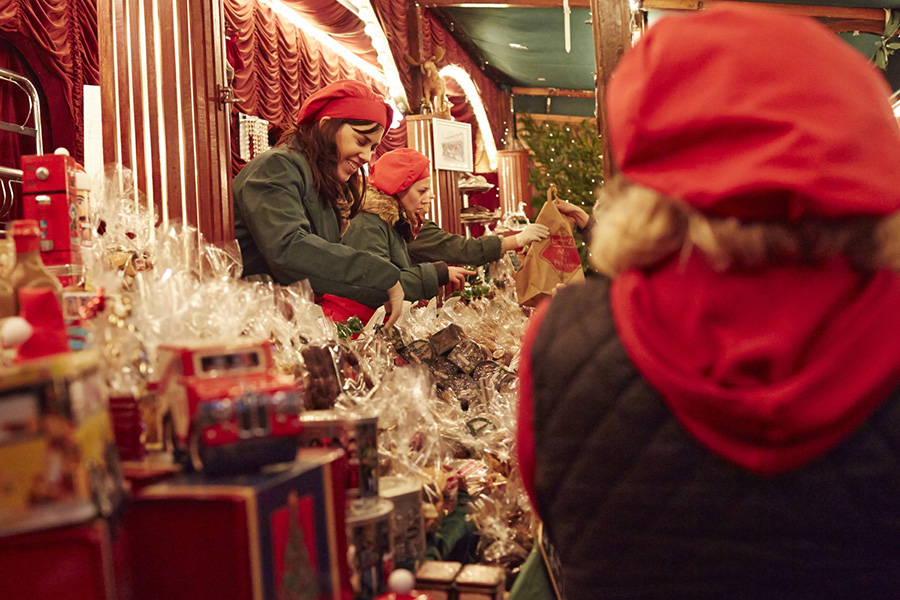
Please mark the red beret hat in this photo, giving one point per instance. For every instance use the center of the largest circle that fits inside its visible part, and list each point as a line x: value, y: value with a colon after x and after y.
x: 398, y: 169
x: 346, y: 99
x: 749, y: 112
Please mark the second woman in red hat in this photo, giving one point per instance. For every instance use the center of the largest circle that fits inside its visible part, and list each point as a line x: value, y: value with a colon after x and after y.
x: 400, y: 185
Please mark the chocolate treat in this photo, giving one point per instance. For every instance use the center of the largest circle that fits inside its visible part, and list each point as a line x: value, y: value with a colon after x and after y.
x: 396, y: 340
x: 466, y: 355
x: 320, y: 380
x: 421, y: 351
x: 447, y: 338
x: 351, y: 374
x: 466, y: 390
x: 444, y: 371
x: 493, y: 374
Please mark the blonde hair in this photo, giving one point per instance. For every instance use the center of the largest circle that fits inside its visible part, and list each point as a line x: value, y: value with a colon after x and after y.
x: 638, y: 228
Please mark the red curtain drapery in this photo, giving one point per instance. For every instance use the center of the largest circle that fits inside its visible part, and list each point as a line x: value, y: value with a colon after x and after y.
x: 283, y: 65
x: 58, y: 39
x: 394, y: 18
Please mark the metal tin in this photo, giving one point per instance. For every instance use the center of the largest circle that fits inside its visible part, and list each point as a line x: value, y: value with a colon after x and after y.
x: 370, y: 546
x: 409, y: 522
x: 480, y: 582
x: 435, y: 577
x: 358, y: 436
x: 362, y: 457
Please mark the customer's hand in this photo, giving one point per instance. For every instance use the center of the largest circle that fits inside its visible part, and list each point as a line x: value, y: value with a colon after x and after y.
x: 394, y: 305
x: 532, y: 233
x: 458, y: 277
x: 573, y: 213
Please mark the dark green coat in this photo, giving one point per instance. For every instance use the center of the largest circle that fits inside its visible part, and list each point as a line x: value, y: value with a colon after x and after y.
x: 372, y: 230
x: 285, y: 231
x: 433, y: 243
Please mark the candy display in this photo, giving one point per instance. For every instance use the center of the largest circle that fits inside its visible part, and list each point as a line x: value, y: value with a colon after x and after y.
x: 423, y: 412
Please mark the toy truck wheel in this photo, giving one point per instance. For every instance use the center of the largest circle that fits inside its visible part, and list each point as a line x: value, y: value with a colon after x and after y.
x: 198, y: 451
x: 171, y: 444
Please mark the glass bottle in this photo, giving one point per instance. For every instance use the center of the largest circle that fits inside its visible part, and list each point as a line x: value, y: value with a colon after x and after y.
x: 29, y: 271
x: 7, y: 292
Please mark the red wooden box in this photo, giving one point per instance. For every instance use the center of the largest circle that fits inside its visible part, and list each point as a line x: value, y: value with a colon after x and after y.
x: 59, y: 564
x: 249, y: 537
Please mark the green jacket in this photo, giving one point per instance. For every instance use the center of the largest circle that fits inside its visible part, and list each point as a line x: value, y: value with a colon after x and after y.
x: 285, y: 231
x: 372, y: 230
x: 433, y: 243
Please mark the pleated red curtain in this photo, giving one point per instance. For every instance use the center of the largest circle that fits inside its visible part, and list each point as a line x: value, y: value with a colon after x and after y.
x: 54, y: 43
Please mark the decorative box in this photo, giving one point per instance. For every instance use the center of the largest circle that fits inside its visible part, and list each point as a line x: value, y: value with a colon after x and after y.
x: 435, y: 578
x: 58, y: 461
x: 274, y: 534
x: 480, y: 582
x: 60, y: 564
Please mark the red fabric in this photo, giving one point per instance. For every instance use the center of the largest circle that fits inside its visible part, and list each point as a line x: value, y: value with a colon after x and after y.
x: 339, y: 22
x: 346, y: 99
x: 768, y: 368
x: 399, y: 169
x: 41, y: 308
x: 525, y: 426
x: 340, y: 309
x: 750, y: 126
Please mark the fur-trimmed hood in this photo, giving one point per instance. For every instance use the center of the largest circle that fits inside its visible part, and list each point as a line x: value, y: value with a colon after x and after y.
x: 384, y: 205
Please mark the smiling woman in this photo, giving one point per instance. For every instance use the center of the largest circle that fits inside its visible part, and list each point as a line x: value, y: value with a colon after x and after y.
x: 291, y: 203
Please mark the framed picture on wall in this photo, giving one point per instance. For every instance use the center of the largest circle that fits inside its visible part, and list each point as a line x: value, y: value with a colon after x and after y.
x: 453, y: 145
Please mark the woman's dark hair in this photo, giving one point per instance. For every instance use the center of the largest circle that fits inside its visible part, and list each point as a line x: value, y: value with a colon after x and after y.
x: 317, y: 143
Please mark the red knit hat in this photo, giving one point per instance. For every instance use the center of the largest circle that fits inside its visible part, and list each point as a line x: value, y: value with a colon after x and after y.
x: 346, y: 99
x: 774, y: 118
x: 398, y: 169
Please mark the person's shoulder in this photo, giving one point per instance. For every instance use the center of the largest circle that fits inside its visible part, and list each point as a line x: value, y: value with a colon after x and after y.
x: 279, y: 155
x: 579, y: 301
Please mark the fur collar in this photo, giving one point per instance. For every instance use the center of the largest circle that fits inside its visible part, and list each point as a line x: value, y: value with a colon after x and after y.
x: 384, y: 205
x: 387, y: 207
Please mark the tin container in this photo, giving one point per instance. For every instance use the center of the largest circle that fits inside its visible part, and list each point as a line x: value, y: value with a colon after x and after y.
x: 480, y: 582
x: 362, y: 457
x: 358, y: 436
x: 435, y: 578
x: 370, y: 546
x: 409, y: 523
x: 58, y: 460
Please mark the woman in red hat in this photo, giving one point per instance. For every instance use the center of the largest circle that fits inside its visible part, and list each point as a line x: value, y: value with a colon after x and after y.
x: 292, y: 202
x: 399, y: 186
x: 719, y: 416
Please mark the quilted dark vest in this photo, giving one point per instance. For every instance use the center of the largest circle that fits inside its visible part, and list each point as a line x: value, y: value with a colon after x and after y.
x: 636, y: 508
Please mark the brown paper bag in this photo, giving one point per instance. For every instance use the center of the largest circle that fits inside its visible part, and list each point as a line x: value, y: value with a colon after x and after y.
x: 550, y: 261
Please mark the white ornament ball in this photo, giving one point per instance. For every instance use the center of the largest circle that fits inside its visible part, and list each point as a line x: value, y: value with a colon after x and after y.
x: 14, y: 331
x: 401, y: 581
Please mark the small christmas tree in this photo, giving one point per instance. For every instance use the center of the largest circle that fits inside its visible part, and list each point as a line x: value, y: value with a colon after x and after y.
x: 299, y: 582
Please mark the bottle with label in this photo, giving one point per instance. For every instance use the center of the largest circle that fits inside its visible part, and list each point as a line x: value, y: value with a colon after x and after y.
x: 29, y: 270
x: 7, y: 298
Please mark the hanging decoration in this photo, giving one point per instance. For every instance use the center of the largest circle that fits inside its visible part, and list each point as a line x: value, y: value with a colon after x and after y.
x: 254, y: 136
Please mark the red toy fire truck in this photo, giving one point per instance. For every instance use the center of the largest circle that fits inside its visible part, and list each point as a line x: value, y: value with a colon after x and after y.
x: 224, y: 407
